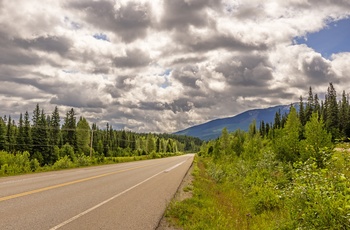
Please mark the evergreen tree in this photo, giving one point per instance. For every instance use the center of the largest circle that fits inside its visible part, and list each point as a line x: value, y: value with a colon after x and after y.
x: 158, y: 145
x: 332, y: 112
x: 309, y: 105
x: 301, y: 111
x: 123, y: 142
x: 343, y: 115
x: 27, y: 135
x: 262, y: 128
x: 11, y: 136
x: 132, y: 142
x: 69, y: 129
x: 20, y: 135
x: 2, y: 134
x: 36, y: 134
x: 44, y: 147
x: 277, y: 120
x: 106, y: 141
x: 55, y: 132
x: 317, y: 106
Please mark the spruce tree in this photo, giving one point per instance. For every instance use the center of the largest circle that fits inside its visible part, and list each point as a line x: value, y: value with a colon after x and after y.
x: 123, y: 142
x: 69, y: 129
x: 44, y: 147
x: 36, y: 135
x: 317, y: 106
x: 11, y: 136
x: 309, y: 105
x: 301, y: 111
x: 55, y: 132
x: 27, y: 135
x: 20, y: 135
x: 2, y: 134
x: 277, y: 120
x: 332, y: 112
x: 343, y: 115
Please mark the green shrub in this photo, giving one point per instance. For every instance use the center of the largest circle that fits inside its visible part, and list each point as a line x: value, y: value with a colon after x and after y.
x: 63, y: 163
x: 82, y: 160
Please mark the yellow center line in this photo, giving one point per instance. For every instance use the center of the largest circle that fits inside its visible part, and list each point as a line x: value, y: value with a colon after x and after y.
x: 65, y: 184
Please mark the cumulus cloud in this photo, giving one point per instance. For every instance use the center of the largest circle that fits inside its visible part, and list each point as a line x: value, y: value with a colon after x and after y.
x: 163, y: 65
x: 129, y: 21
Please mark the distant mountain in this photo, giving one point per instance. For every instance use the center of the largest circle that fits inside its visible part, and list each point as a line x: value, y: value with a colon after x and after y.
x: 212, y: 129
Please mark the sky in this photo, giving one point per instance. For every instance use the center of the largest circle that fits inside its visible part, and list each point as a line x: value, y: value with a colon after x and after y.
x: 330, y: 40
x: 165, y: 65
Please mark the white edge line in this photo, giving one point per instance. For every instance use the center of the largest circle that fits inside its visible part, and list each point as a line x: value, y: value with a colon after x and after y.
x: 103, y: 202
x: 173, y: 167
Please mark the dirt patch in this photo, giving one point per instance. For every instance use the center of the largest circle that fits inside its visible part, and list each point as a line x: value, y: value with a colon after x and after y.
x: 184, y: 192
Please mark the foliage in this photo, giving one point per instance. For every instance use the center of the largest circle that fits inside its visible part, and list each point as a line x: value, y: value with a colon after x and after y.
x: 288, y: 178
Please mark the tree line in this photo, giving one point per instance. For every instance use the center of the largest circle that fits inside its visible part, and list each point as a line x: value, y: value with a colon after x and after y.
x: 48, y: 137
x: 334, y: 113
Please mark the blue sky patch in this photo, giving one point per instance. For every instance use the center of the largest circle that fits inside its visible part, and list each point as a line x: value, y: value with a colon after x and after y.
x: 101, y: 36
x: 330, y: 40
x: 166, y: 72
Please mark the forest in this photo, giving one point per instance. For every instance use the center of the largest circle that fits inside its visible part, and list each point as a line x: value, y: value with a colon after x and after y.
x: 292, y: 174
x: 44, y: 142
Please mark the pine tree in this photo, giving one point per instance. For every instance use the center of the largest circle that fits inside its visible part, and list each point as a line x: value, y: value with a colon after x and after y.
x: 332, y: 112
x: 277, y: 120
x: 262, y: 129
x: 343, y: 115
x: 301, y: 111
x: 317, y: 106
x: 106, y: 141
x: 36, y: 135
x: 123, y: 142
x: 44, y: 147
x: 69, y: 129
x: 20, y: 135
x: 55, y: 132
x: 310, y: 105
x: 27, y: 135
x: 11, y: 136
x: 2, y: 134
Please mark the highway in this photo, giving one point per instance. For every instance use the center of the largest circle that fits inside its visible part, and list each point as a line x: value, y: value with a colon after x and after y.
x: 121, y: 196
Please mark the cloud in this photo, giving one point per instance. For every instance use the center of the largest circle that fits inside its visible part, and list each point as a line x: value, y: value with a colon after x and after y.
x: 55, y: 44
x: 163, y: 65
x: 134, y: 58
x: 129, y: 21
x: 181, y: 14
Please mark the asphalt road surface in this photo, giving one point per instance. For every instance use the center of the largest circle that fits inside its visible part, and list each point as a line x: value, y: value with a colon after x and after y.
x: 121, y: 196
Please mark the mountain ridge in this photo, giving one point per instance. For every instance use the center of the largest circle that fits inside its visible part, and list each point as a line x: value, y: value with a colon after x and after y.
x: 212, y: 129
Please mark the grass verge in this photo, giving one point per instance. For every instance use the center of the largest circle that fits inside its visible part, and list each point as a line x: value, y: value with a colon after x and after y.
x: 212, y: 206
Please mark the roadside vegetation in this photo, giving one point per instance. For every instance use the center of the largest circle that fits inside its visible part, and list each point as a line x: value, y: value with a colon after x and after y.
x: 295, y: 175
x: 43, y: 144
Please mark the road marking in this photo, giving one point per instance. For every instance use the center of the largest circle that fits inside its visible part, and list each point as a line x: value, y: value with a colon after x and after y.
x: 65, y: 184
x: 175, y: 166
x: 102, y: 203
